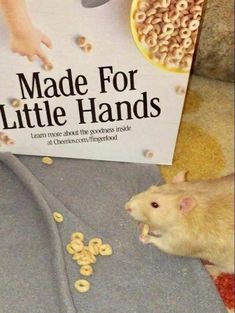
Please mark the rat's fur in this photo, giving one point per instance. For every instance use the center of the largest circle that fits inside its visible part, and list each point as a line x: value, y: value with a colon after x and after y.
x: 194, y: 219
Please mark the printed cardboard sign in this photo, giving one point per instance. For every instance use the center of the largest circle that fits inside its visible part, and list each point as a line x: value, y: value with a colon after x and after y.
x: 95, y: 79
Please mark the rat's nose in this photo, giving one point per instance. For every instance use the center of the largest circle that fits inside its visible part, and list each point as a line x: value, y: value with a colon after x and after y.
x: 127, y: 207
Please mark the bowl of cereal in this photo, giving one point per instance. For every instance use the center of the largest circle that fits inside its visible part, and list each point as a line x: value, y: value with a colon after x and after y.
x: 165, y: 31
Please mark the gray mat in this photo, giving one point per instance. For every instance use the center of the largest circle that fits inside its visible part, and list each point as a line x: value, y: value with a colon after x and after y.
x: 37, y: 276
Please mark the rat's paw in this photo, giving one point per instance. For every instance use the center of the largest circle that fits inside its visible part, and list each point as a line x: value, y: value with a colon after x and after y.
x: 144, y: 239
x: 140, y: 226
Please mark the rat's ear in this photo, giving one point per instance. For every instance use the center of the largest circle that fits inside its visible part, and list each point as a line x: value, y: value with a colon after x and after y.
x: 186, y: 204
x: 180, y: 177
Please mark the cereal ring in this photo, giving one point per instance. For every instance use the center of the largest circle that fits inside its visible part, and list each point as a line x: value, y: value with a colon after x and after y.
x: 9, y: 142
x: 96, y: 241
x: 184, y: 21
x: 77, y: 245
x: 144, y: 5
x: 77, y: 235
x: 142, y: 39
x: 70, y: 249
x: 150, y: 41
x: 151, y: 12
x: 78, y: 255
x: 86, y: 270
x: 178, y: 53
x: 163, y: 49
x: 173, y: 15
x: 176, y: 24
x: 182, y: 5
x: 149, y: 20
x: 81, y: 255
x: 186, y: 61
x: 197, y: 16
x: 58, y: 217
x: 156, y: 57
x: 82, y: 285
x: 196, y: 8
x: 81, y: 41
x: 162, y: 57
x: 166, y: 18
x: 156, y: 20
x: 162, y: 36
x: 173, y: 46
x: 163, y: 42
x: 165, y: 3
x: 156, y: 5
x: 48, y: 66
x: 147, y: 29
x: 168, y: 28
x: 171, y: 62
x: 153, y: 34
x: 178, y: 39
x: 193, y: 25
x: 3, y: 137
x: 91, y: 257
x: 157, y: 28
x: 187, y: 42
x: 87, y: 48
x: 94, y: 249
x: 145, y: 230
x: 180, y: 90
x: 184, y: 33
x: 105, y: 249
x: 190, y: 50
x: 154, y: 49
x: 16, y: 103
x: 140, y: 17
x: 148, y: 154
x: 47, y: 160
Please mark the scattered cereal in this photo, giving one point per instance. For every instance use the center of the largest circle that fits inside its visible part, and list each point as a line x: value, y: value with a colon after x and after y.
x: 85, y: 255
x: 16, y: 103
x: 77, y: 235
x: 180, y: 90
x: 148, y: 154
x: 4, y: 138
x: 105, y: 249
x: 87, y: 48
x: 81, y: 41
x: 47, y: 160
x: 77, y: 245
x: 82, y: 285
x: 95, y: 241
x: 86, y: 270
x: 70, y: 249
x: 47, y: 66
x: 145, y: 230
x: 94, y: 249
x: 58, y: 217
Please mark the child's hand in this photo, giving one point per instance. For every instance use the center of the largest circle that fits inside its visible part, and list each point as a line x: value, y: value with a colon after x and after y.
x: 28, y: 43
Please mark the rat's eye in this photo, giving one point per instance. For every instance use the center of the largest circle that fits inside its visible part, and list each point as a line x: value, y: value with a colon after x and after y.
x: 154, y: 205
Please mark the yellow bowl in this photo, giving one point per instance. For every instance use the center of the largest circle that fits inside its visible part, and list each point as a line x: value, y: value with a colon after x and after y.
x: 144, y: 51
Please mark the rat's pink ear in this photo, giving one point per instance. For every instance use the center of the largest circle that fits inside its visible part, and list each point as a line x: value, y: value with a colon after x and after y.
x: 180, y: 177
x: 187, y: 203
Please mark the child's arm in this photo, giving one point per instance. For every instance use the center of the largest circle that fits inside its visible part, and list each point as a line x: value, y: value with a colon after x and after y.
x: 25, y: 38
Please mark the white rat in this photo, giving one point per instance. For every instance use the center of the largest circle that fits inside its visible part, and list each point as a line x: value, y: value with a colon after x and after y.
x: 194, y: 219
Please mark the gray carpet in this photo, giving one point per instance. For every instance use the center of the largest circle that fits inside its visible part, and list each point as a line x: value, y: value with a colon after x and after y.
x: 37, y: 276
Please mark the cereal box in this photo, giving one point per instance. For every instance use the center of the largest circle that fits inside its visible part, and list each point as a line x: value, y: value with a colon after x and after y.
x: 95, y: 79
